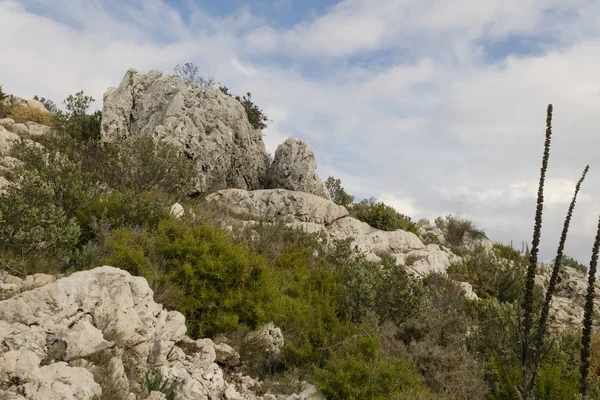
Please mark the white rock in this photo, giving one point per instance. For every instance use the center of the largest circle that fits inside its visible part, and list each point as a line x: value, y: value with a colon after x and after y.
x: 36, y: 129
x: 177, y: 210
x: 7, y: 140
x: 294, y: 168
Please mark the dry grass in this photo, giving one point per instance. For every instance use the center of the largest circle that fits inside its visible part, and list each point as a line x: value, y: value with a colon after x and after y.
x: 25, y: 114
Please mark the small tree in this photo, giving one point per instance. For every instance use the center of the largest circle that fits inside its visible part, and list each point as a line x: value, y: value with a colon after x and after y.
x: 337, y: 192
x: 189, y: 74
x: 76, y: 122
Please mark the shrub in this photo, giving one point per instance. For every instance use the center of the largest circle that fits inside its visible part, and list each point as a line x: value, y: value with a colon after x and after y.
x: 455, y: 229
x: 189, y: 74
x: 491, y: 275
x: 25, y: 114
x: 49, y: 104
x: 337, y: 192
x: 76, y: 122
x: 6, y: 104
x: 382, y: 216
x: 224, y: 284
x: 358, y: 370
x: 256, y: 116
x: 567, y: 261
x: 30, y: 221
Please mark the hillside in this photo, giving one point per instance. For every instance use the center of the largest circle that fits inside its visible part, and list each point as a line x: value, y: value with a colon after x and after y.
x: 156, y: 250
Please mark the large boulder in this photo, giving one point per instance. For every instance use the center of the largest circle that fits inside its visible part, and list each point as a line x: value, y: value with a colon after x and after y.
x: 99, y: 333
x: 273, y: 205
x: 207, y: 126
x: 294, y: 168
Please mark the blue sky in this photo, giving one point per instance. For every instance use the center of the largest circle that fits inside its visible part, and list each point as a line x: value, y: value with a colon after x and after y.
x: 433, y: 106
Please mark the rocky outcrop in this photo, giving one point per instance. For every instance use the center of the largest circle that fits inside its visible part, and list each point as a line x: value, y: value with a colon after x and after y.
x: 207, y: 126
x: 314, y: 214
x: 100, y: 333
x: 29, y: 103
x: 294, y: 168
x: 273, y: 205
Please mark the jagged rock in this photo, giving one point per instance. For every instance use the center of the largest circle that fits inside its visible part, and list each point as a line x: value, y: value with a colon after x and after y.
x: 294, y: 168
x: 208, y: 126
x: 432, y: 258
x: 177, y: 210
x: 4, y: 184
x: 470, y: 243
x: 273, y: 205
x: 51, y: 338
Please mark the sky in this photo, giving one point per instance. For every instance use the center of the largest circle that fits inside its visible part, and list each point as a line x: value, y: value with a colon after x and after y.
x: 434, y: 107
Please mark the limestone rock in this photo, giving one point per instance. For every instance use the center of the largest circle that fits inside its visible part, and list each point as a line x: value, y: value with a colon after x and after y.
x: 7, y: 123
x: 467, y: 290
x: 36, y: 129
x: 271, y: 337
x: 7, y: 140
x: 227, y: 355
x: 177, y: 210
x: 294, y: 168
x: 37, y: 280
x: 207, y: 126
x: 29, y: 103
x: 20, y: 129
x: 279, y: 205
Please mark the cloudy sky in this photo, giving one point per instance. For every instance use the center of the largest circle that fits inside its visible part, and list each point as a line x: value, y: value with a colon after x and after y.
x: 432, y: 106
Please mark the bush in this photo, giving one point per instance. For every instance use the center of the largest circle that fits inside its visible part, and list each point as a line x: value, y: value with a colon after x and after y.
x: 492, y: 275
x: 6, y: 104
x: 256, y: 116
x: 224, y: 284
x: 567, y: 261
x: 49, y: 104
x: 337, y: 192
x: 455, y: 229
x: 358, y: 370
x: 31, y: 222
x: 76, y: 122
x: 382, y: 216
x: 25, y: 114
x: 189, y: 74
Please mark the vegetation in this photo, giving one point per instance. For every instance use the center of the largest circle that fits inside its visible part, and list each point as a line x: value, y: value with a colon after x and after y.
x: 6, y: 104
x: 356, y: 328
x: 337, y: 192
x: 24, y: 114
x: 190, y: 76
x: 381, y: 216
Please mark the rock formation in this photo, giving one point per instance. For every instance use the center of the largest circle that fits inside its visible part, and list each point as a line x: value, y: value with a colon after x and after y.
x: 294, y: 168
x: 208, y: 126
x: 99, y: 332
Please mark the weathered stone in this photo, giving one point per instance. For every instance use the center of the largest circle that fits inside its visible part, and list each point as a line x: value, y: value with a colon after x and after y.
x: 294, y: 168
x: 177, y: 210
x: 20, y: 129
x: 37, y: 280
x: 227, y: 355
x: 279, y: 205
x: 36, y: 129
x: 7, y: 140
x: 208, y: 126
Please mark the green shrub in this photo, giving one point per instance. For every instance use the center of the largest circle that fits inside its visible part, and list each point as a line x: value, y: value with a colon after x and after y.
x: 224, y: 284
x: 491, y: 275
x: 455, y: 229
x: 76, y: 122
x: 30, y: 220
x: 155, y: 383
x: 381, y: 216
x: 6, y: 104
x: 337, y: 192
x: 567, y: 261
x: 358, y: 370
x: 256, y: 115
x: 49, y: 104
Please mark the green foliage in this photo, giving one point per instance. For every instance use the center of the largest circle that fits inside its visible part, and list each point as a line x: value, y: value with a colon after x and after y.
x: 31, y: 223
x: 455, y: 229
x: 6, y: 104
x: 381, y: 216
x: 567, y: 261
x: 155, y: 383
x: 224, y: 283
x: 359, y: 370
x: 492, y: 275
x: 256, y: 116
x: 337, y: 192
x: 76, y: 122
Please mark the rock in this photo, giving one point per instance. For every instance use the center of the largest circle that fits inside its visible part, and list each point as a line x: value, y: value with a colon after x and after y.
x: 29, y: 103
x: 4, y: 184
x: 309, y: 392
x: 7, y: 123
x: 36, y: 129
x: 432, y: 258
x: 470, y: 243
x: 20, y: 129
x: 225, y: 354
x: 467, y: 290
x: 177, y: 210
x: 273, y: 205
x: 271, y: 337
x: 156, y: 396
x: 13, y: 279
x: 207, y: 126
x: 8, y: 290
x: 294, y: 168
x: 7, y: 140
x: 37, y: 280
x: 371, y: 240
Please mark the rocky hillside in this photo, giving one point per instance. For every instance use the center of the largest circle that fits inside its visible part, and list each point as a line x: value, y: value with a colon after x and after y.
x: 235, y: 276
